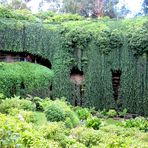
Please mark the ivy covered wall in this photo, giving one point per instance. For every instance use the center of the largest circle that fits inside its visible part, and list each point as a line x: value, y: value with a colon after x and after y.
x: 95, y: 47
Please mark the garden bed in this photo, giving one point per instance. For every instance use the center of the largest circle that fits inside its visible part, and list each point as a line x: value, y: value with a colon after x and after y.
x: 35, y: 122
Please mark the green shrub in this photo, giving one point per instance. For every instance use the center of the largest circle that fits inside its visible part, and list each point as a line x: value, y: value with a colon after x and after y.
x: 38, y: 103
x: 93, y: 122
x: 83, y: 113
x: 27, y: 116
x: 139, y: 122
x: 60, y: 110
x: 55, y: 113
x: 53, y: 130
x: 68, y: 123
x: 23, y: 14
x: 45, y: 103
x: 15, y: 133
x: 72, y: 119
x: 22, y: 78
x: 62, y: 18
x: 122, y: 113
x: 5, y: 13
x: 88, y: 137
x: 103, y: 112
x: 8, y: 104
x: 111, y: 113
x: 2, y: 97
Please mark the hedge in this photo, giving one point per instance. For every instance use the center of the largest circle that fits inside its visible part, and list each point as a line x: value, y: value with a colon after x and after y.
x: 22, y: 78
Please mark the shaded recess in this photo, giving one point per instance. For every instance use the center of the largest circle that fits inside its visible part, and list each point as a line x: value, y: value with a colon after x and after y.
x: 8, y: 56
x: 116, y: 78
x: 77, y: 78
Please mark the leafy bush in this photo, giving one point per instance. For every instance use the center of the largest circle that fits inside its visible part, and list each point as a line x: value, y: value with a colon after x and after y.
x: 53, y: 130
x: 139, y: 122
x: 88, y: 137
x: 59, y: 110
x: 45, y: 103
x: 103, y: 112
x: 15, y: 133
x: 68, y: 123
x: 38, y: 103
x: 111, y: 113
x: 24, y: 115
x: 2, y: 97
x: 23, y: 14
x: 22, y: 78
x: 83, y: 113
x: 8, y: 104
x: 5, y: 13
x: 93, y: 122
x: 72, y: 119
x: 55, y: 113
x: 61, y: 18
x: 122, y: 113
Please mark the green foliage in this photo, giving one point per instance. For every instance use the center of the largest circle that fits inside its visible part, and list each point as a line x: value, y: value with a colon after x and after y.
x: 52, y: 130
x: 77, y: 38
x: 83, y: 113
x: 55, y: 113
x: 23, y: 78
x: 138, y: 40
x: 94, y: 46
x: 45, y: 103
x: 88, y: 137
x: 5, y: 13
x: 123, y: 113
x: 2, y: 97
x: 8, y: 104
x: 43, y: 15
x: 111, y: 113
x: 20, y: 128
x: 24, y: 115
x: 61, y: 18
x: 17, y: 14
x: 106, y: 41
x: 72, y: 119
x: 60, y: 110
x: 93, y: 122
x: 46, y: 17
x: 15, y: 133
x: 38, y: 103
x: 139, y: 122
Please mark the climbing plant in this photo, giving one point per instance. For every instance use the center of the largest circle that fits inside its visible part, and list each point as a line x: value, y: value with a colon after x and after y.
x: 93, y: 46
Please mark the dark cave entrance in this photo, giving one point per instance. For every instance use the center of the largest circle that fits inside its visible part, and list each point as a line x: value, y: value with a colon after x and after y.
x: 8, y: 56
x: 116, y: 78
x: 77, y: 79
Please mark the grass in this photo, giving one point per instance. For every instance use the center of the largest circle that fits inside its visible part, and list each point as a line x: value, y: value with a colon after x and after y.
x: 112, y: 121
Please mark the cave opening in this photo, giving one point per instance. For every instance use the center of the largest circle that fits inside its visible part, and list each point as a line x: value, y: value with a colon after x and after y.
x: 9, y: 56
x: 77, y: 79
x: 116, y: 78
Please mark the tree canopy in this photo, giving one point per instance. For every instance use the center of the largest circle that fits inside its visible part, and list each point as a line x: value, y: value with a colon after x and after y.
x: 93, y: 8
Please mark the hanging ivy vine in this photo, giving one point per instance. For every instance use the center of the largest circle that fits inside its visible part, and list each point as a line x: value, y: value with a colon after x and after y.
x: 95, y: 47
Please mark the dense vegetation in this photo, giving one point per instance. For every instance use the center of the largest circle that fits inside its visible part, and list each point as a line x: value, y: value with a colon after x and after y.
x: 24, y: 124
x: 95, y: 47
x: 22, y: 78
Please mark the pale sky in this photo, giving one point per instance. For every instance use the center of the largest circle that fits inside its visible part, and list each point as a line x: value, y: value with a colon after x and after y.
x: 133, y: 5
